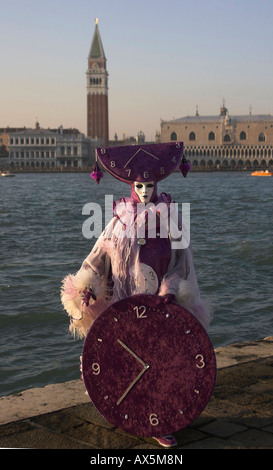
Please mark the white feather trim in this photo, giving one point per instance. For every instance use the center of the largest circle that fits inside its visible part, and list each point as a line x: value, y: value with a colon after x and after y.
x: 73, y: 287
x: 187, y: 293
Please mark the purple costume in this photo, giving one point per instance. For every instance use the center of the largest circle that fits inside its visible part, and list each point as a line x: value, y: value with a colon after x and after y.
x: 122, y: 263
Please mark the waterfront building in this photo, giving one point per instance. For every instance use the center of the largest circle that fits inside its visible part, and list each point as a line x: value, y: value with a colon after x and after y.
x: 97, y: 91
x: 129, y: 140
x: 223, y: 141
x: 74, y: 150
x: 47, y: 149
x: 4, y: 144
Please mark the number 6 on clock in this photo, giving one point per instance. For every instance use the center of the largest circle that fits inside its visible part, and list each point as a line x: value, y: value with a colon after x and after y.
x: 154, y: 419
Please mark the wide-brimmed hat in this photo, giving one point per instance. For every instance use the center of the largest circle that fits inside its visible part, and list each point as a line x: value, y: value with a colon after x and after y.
x: 150, y: 162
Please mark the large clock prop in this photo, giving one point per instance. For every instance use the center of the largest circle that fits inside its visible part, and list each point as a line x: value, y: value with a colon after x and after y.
x: 149, y: 367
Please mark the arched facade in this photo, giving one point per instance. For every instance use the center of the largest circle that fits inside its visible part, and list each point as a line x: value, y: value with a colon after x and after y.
x: 245, y: 157
x: 223, y: 141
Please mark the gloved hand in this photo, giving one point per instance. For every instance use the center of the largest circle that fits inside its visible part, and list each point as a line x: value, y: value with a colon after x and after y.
x: 87, y: 293
x: 168, y: 298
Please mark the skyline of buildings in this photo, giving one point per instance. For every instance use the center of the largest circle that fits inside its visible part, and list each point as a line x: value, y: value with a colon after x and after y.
x: 185, y: 55
x: 221, y: 141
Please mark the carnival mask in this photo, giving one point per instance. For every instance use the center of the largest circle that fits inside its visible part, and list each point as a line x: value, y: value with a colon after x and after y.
x: 144, y: 190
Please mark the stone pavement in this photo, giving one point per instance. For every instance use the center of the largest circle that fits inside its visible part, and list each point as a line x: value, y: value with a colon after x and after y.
x: 238, y: 416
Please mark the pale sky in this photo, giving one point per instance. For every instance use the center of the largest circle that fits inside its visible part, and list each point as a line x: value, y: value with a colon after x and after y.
x: 163, y: 59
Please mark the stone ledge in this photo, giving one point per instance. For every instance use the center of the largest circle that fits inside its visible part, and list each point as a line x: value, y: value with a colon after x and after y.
x: 238, y: 353
x: 54, y: 397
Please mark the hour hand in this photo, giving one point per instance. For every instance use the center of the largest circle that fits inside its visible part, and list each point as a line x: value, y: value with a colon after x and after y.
x: 132, y: 352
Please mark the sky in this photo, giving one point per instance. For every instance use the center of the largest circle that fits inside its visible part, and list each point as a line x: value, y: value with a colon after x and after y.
x: 164, y: 58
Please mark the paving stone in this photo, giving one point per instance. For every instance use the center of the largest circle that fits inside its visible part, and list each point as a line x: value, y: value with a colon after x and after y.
x: 223, y: 408
x: 102, y: 438
x: 254, y: 419
x: 222, y: 428
x: 254, y: 439
x: 146, y: 445
x: 201, y: 421
x: 187, y: 435
x: 15, y: 428
x: 58, y: 421
x: 39, y: 439
x: 88, y: 412
x: 246, y: 374
x: 243, y: 399
x: 263, y: 387
x: 208, y: 443
x: 268, y: 428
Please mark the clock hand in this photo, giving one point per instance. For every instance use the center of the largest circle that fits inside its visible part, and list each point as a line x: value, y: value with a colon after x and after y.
x: 131, y: 352
x: 145, y: 367
x: 132, y: 384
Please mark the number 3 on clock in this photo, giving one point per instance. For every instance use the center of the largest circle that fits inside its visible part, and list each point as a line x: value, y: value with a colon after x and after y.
x: 201, y: 362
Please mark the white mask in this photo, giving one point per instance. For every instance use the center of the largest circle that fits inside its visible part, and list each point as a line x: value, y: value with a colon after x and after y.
x: 144, y: 190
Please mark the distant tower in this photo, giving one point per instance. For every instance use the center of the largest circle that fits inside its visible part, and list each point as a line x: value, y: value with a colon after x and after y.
x: 97, y: 91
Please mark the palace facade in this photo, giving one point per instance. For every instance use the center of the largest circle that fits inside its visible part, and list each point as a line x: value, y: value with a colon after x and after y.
x: 223, y: 141
x: 48, y: 149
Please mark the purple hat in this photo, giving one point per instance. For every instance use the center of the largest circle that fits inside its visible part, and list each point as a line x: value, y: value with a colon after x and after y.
x: 151, y: 162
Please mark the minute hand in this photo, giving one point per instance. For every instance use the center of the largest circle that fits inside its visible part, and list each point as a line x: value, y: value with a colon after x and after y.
x: 132, y: 384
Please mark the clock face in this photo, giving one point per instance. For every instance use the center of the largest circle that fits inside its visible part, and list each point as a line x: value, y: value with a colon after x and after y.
x: 149, y: 367
x: 147, y: 280
x: 147, y: 162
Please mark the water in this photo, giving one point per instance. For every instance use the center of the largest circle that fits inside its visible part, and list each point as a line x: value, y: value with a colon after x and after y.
x: 41, y: 242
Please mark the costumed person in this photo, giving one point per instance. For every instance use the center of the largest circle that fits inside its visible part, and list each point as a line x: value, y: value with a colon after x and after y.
x: 132, y: 255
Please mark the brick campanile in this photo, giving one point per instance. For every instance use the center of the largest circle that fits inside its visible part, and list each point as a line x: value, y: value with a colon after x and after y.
x: 97, y: 91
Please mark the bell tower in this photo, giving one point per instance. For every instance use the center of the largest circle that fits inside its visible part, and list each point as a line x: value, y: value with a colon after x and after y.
x: 97, y: 91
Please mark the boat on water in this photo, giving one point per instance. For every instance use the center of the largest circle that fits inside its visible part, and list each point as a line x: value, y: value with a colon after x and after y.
x: 7, y: 173
x: 262, y: 173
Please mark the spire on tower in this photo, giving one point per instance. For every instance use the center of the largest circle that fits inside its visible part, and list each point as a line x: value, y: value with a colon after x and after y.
x: 223, y: 110
x: 96, y: 49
